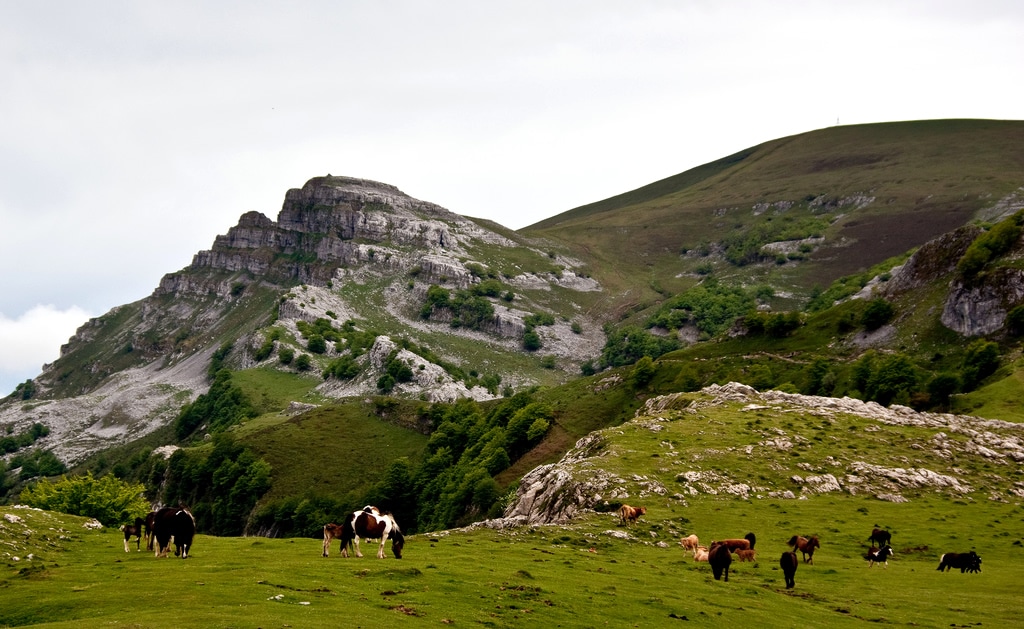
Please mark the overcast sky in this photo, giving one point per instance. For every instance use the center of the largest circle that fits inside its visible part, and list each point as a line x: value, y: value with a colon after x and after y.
x: 132, y: 133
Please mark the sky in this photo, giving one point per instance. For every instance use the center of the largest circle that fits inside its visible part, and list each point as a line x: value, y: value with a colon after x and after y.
x: 132, y: 132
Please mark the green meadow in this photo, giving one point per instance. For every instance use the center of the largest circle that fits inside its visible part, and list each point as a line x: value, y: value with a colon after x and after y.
x: 552, y: 576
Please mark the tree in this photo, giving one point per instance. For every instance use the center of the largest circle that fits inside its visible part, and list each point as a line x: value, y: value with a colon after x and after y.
x: 980, y: 361
x: 941, y: 388
x: 894, y: 378
x: 643, y: 372
x: 877, y: 313
x: 108, y: 499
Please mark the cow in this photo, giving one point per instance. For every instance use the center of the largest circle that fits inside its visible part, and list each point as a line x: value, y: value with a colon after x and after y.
x: 881, y: 536
x: 967, y: 562
x: 880, y: 555
x: 177, y: 524
x: 700, y: 553
x: 720, y: 557
x: 629, y: 514
x: 788, y: 562
x: 133, y: 530
x: 689, y: 542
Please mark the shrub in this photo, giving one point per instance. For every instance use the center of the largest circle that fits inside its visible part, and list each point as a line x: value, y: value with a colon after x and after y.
x: 877, y: 313
x: 531, y: 341
x: 111, y: 501
x: 317, y: 344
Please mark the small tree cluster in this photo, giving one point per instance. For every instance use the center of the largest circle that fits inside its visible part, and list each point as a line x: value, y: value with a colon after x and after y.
x: 108, y: 499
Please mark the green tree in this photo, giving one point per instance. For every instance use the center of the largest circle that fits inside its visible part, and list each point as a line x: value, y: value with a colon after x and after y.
x: 877, y: 313
x: 941, y: 388
x: 980, y: 361
x: 894, y: 379
x: 108, y: 499
x: 643, y: 372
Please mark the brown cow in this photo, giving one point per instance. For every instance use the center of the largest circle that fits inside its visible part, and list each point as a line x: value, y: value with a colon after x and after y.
x: 690, y: 542
x: 630, y: 514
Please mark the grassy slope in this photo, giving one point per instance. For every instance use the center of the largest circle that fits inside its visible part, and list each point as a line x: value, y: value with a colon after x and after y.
x: 579, y: 575
x: 926, y: 178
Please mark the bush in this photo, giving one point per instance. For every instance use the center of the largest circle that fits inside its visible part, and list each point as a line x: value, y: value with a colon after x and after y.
x: 877, y: 313
x: 111, y: 501
x: 643, y: 372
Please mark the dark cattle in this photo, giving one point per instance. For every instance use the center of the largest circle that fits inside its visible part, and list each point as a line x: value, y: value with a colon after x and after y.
x: 879, y: 555
x: 788, y: 562
x: 880, y: 537
x: 150, y: 521
x: 630, y: 514
x: 720, y: 558
x: 177, y: 524
x: 369, y: 524
x: 133, y: 530
x: 967, y: 562
x: 805, y: 545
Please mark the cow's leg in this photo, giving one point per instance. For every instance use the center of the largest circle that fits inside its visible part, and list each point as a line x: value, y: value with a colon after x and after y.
x: 356, y: 542
x: 380, y: 551
x: 327, y: 543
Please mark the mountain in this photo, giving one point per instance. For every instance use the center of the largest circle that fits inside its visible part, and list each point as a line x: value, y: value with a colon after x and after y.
x: 815, y: 207
x: 345, y: 252
x: 878, y: 262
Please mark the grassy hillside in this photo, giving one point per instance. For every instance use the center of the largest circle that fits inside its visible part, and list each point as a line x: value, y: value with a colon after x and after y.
x: 593, y: 570
x: 869, y: 191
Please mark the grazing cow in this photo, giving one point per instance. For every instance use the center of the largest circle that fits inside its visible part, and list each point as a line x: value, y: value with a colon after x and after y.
x: 746, y: 555
x: 788, y: 562
x: 689, y: 542
x: 967, y: 562
x: 720, y: 557
x: 370, y: 524
x: 150, y: 521
x: 880, y: 555
x: 880, y: 536
x: 133, y: 529
x: 630, y: 514
x: 700, y: 553
x: 175, y: 523
x: 805, y: 545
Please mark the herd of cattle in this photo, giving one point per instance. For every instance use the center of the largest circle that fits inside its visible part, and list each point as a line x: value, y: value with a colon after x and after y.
x: 720, y: 553
x: 177, y: 525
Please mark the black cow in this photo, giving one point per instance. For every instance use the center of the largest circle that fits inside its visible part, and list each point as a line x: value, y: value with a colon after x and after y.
x: 788, y: 562
x: 967, y: 562
x: 175, y: 523
x: 720, y: 558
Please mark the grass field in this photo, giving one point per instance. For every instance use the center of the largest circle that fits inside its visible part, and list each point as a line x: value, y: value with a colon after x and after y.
x: 575, y: 576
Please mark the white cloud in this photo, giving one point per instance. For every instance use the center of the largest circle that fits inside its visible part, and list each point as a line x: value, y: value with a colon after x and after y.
x: 34, y: 339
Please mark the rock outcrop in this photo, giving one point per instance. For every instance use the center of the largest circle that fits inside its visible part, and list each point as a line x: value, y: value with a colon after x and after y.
x: 559, y: 492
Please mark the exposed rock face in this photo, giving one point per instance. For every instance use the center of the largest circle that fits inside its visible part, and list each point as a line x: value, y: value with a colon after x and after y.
x: 981, y: 308
x: 934, y: 260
